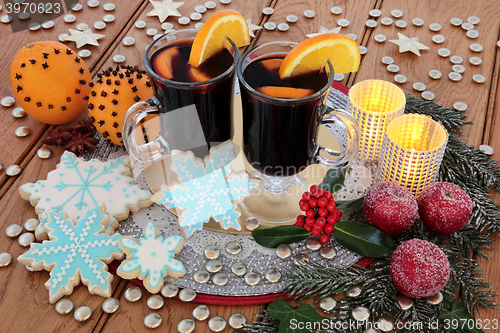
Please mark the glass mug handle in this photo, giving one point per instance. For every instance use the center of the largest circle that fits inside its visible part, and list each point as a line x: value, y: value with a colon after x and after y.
x: 146, y: 152
x: 349, y: 139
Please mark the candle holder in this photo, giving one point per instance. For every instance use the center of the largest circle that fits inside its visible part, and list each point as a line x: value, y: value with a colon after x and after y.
x: 374, y: 103
x: 412, y: 151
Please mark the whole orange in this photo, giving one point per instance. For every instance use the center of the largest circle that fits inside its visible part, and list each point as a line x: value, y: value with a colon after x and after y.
x: 50, y: 82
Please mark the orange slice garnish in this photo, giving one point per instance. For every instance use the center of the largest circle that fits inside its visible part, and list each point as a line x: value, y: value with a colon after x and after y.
x: 271, y: 64
x: 312, y: 55
x: 285, y: 92
x: 162, y: 64
x: 212, y: 37
x: 197, y: 75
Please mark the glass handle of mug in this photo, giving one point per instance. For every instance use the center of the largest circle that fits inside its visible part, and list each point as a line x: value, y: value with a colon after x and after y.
x: 347, y: 135
x: 145, y: 152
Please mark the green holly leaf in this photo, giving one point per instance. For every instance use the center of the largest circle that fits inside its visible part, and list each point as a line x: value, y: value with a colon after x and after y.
x: 459, y: 318
x: 363, y: 239
x: 352, y: 205
x: 299, y: 320
x: 283, y: 234
x: 334, y: 179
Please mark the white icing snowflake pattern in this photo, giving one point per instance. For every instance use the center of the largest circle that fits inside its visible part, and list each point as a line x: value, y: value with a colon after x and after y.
x: 151, y: 258
x: 74, y: 253
x: 76, y: 184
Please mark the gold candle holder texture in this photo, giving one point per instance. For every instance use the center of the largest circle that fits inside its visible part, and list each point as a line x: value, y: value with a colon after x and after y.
x: 374, y: 103
x: 412, y: 151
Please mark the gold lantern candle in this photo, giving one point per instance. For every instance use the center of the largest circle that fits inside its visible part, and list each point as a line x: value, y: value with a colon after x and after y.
x: 374, y: 103
x: 412, y: 151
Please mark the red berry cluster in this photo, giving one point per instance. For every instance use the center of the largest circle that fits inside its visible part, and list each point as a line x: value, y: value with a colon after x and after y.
x: 321, y: 213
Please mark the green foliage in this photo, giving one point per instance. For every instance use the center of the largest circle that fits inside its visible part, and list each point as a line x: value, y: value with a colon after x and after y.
x: 283, y: 234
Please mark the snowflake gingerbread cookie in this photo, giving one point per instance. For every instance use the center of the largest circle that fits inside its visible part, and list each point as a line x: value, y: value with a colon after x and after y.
x: 77, y: 185
x: 74, y: 253
x: 151, y: 258
x: 205, y: 189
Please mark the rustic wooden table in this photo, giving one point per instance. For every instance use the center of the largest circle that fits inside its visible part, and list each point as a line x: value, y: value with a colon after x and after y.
x: 24, y: 302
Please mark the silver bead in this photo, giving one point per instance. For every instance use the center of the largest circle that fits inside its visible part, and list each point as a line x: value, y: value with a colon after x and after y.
x: 110, y: 305
x: 109, y: 7
x: 352, y: 36
x: 6, y: 19
x: 1, y: 166
x: 435, y: 299
x: 273, y: 275
x: 283, y: 251
x: 498, y: 43
x: 386, y: 21
x: 151, y: 32
x: 13, y: 170
x: 7, y: 101
x: 187, y: 295
x: 309, y: 13
x: 212, y: 252
x: 354, y: 291
x: 31, y: 224
x: 213, y: 266
x: 375, y: 12
x: 397, y: 13
x: 34, y: 26
x: 195, y: 16
x: 47, y: 24
x: 338, y: 77
x: 435, y: 74
x: 5, y: 259
x: 184, y: 20
x: 200, y: 9
x: 119, y: 58
x: 13, y: 230
x: 269, y: 25
x: 456, y: 21
x: 458, y: 68
x: 152, y: 320
x: 385, y: 325
x: 268, y: 10
x: 225, y: 2
x: 387, y: 60
x: 405, y: 302
x: 399, y: 78
x: 167, y: 26
x: 328, y: 252
x: 82, y: 313
x: 327, y: 303
x: 84, y: 53
x: 460, y: 106
x: 210, y: 4
x: 343, y: 23
x: 216, y: 324
x: 29, y: 269
x: 456, y: 59
x: 237, y: 320
x: 380, y: 38
x: 252, y: 223
x: 300, y: 259
x: 476, y: 61
x: 197, y: 25
x: 186, y: 326
x: 233, y: 248
x: 201, y: 276
x: 371, y: 23
x: 26, y: 239
x: 22, y: 131
x: 62, y: 37
x: 467, y: 26
x: 133, y: 294
x: 201, y: 312
x: 252, y: 278
x: 418, y: 22
x: 99, y: 25
x: 313, y: 244
x: 336, y: 10
x: 140, y: 24
x: 291, y: 18
x: 362, y: 50
x: 455, y: 76
x: 393, y: 68
x: 401, y: 24
x: 361, y: 313
x: 64, y: 306
x: 155, y: 302
x: 435, y: 27
x: 128, y: 41
x: 485, y: 149
x: 472, y: 33
x: 478, y: 78
x: 283, y: 27
x: 92, y: 3
x: 108, y: 18
x: 475, y: 47
x: 76, y: 7
x: 239, y: 268
x: 473, y: 19
x: 69, y: 18
x: 82, y: 26
x: 220, y: 279
x: 169, y: 290
x: 428, y: 95
x: 438, y: 39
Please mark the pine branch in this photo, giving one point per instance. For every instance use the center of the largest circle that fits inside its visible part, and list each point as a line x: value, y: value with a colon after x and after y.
x: 267, y: 324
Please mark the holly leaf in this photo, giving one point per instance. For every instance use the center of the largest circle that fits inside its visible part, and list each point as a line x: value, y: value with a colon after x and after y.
x: 294, y: 320
x: 352, y: 205
x: 334, y: 179
x: 363, y: 239
x: 459, y: 315
x: 283, y: 234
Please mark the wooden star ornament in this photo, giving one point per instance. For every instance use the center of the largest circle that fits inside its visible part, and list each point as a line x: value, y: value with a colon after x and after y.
x: 408, y: 44
x: 252, y: 28
x: 323, y: 30
x: 83, y: 37
x: 164, y: 9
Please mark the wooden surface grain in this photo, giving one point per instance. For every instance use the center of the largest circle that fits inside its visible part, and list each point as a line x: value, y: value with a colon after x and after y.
x: 24, y: 302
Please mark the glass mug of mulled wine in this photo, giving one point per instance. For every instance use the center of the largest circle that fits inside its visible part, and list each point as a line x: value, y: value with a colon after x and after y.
x: 191, y: 108
x: 280, y: 135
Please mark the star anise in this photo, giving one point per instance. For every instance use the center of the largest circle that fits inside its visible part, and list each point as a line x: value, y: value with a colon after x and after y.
x: 80, y: 143
x: 58, y: 137
x: 85, y: 126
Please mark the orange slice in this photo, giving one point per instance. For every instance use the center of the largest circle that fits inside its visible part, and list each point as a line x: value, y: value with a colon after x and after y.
x: 211, y: 39
x: 271, y: 64
x: 285, y: 92
x: 162, y: 64
x: 312, y: 55
x: 197, y: 75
